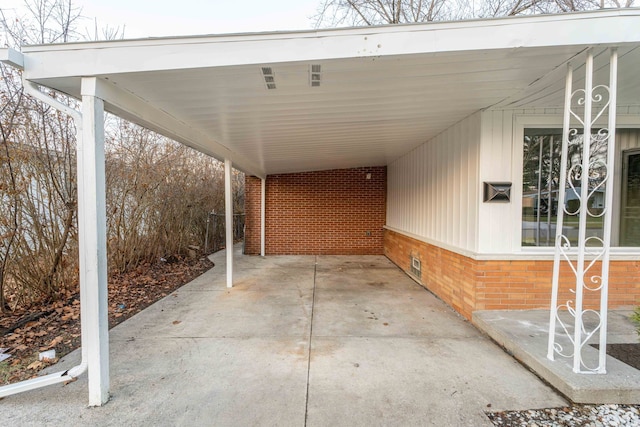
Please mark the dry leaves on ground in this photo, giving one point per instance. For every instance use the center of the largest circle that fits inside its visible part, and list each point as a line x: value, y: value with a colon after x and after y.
x: 56, y: 326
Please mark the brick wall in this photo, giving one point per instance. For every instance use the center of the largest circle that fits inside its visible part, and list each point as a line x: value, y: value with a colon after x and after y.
x: 325, y: 212
x: 467, y: 284
x: 449, y: 275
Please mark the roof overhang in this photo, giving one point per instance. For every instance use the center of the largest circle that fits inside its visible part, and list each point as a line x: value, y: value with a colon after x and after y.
x: 382, y: 91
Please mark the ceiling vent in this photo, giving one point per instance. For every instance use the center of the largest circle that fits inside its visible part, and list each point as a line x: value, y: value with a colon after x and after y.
x: 269, y: 77
x: 315, y: 75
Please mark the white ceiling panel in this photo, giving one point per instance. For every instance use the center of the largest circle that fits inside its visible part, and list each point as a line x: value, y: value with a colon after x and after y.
x: 383, y: 90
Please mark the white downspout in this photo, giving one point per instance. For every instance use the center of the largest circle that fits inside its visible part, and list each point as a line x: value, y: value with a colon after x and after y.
x: 76, y: 371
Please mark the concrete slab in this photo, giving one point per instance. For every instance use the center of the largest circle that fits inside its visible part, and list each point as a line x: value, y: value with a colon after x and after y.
x: 524, y: 333
x: 298, y: 341
x: 383, y: 313
x: 333, y: 263
x: 187, y: 381
x: 416, y: 382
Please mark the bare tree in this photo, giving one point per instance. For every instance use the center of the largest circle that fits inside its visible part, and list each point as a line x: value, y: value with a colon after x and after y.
x: 159, y: 193
x: 333, y: 13
x: 11, y: 101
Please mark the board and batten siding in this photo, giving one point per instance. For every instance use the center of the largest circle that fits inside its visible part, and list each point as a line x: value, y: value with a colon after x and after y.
x: 498, y: 162
x: 433, y: 191
x: 499, y: 224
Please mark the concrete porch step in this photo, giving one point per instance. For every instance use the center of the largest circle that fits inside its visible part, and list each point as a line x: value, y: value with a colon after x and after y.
x: 524, y: 334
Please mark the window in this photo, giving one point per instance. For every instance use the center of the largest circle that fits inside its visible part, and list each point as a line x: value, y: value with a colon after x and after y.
x: 630, y: 203
x: 540, y: 186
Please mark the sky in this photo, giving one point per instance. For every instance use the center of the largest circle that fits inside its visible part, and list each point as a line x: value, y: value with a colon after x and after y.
x: 190, y: 17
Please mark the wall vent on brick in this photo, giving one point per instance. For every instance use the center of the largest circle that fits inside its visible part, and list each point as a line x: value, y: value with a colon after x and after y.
x: 415, y: 267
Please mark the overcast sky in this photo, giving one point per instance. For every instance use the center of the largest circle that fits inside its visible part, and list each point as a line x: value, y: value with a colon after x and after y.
x: 188, y: 17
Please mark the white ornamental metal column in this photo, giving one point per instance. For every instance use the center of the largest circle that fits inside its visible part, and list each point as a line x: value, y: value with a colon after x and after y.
x: 584, y: 175
x: 228, y: 209
x: 92, y: 243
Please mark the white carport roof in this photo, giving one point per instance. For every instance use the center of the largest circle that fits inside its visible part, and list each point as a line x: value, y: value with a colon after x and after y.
x: 383, y: 90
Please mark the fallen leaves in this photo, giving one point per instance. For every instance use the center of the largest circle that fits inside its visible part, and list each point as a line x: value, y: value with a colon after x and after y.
x: 57, y: 325
x: 36, y: 366
x: 54, y: 342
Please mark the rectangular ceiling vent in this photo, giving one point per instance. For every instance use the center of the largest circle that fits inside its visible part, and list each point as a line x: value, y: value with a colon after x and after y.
x: 269, y: 77
x: 315, y: 75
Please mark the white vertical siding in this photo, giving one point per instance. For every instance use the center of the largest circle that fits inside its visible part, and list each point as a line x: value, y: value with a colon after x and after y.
x: 496, y: 232
x: 433, y: 190
x: 499, y: 225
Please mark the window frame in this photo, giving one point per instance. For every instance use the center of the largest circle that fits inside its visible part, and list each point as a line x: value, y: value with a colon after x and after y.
x: 554, y: 120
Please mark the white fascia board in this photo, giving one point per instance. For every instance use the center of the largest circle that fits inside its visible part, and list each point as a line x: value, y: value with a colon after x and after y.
x: 12, y: 57
x: 130, y: 107
x: 614, y: 27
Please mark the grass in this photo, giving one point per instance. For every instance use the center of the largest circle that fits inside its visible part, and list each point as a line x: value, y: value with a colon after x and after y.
x: 10, y: 368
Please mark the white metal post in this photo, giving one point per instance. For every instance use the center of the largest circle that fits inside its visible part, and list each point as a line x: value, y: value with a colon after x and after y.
x: 583, y: 213
x: 92, y: 243
x: 228, y: 208
x: 611, y: 151
x: 263, y: 214
x: 559, y: 239
x: 592, y: 103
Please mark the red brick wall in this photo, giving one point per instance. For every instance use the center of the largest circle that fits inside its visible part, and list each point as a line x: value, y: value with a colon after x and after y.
x: 252, y: 189
x: 447, y: 274
x: 467, y: 284
x: 325, y: 212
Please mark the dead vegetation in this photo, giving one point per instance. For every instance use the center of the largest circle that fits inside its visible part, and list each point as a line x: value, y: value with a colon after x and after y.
x: 56, y: 326
x: 160, y: 195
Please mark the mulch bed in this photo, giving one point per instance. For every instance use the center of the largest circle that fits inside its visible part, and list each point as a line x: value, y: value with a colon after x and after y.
x: 57, y: 326
x: 626, y: 353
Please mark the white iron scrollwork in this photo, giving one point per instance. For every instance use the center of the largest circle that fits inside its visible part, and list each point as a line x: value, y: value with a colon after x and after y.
x: 581, y: 268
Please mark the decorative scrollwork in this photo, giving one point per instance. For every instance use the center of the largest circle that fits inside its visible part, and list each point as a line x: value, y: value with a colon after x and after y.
x: 558, y: 348
x: 574, y: 175
x: 597, y: 95
x: 584, y: 196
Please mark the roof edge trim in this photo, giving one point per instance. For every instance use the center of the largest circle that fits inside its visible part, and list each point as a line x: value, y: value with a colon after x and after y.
x: 327, y: 32
x: 12, y: 57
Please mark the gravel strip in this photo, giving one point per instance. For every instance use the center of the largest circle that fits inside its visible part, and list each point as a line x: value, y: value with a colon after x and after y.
x: 580, y: 415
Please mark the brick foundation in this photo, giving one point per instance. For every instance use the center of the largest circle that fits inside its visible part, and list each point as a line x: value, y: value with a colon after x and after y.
x: 467, y: 284
x: 337, y: 212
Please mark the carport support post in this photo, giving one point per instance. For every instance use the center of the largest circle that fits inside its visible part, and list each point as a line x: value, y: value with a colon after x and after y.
x: 92, y: 241
x: 228, y: 209
x: 263, y: 209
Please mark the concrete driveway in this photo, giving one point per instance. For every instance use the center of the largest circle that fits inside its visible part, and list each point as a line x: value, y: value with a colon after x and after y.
x: 300, y: 340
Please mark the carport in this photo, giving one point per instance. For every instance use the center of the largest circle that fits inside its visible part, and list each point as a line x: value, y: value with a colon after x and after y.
x: 299, y: 340
x: 301, y: 101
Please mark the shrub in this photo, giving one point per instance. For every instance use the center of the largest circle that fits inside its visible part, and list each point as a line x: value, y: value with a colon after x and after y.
x: 635, y: 318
